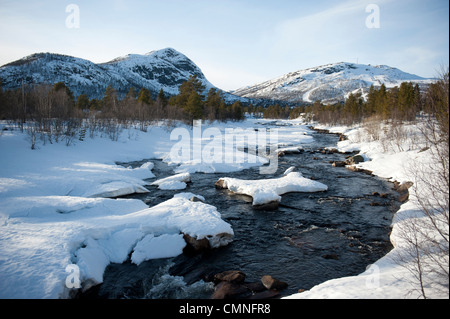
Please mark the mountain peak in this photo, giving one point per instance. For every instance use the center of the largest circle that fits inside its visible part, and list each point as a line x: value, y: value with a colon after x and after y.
x: 168, y: 54
x: 165, y: 51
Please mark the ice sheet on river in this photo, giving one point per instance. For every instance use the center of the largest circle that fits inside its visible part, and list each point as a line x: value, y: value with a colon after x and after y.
x: 264, y: 191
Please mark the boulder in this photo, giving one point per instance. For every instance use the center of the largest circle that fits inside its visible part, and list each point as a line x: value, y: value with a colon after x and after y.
x: 403, y: 188
x: 403, y: 198
x: 272, y: 283
x: 355, y: 160
x: 220, y: 240
x: 196, y: 199
x: 233, y: 276
x: 339, y: 164
x: 359, y: 170
x: 194, y: 244
x: 220, y: 184
x: 228, y: 290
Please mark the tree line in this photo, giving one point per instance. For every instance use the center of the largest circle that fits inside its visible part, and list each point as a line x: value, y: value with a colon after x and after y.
x: 399, y: 103
x: 276, y: 111
x: 52, y: 112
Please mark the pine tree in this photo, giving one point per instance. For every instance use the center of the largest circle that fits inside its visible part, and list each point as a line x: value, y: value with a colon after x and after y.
x: 391, y: 110
x: 82, y: 102
x: 418, y: 103
x: 213, y: 103
x: 145, y: 97
x: 352, y: 109
x: 406, y: 101
x: 236, y: 110
x: 186, y: 89
x: 381, y: 102
x: 194, y: 106
x: 370, y: 105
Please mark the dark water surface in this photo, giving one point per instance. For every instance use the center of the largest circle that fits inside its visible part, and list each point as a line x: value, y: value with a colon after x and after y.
x: 310, y: 238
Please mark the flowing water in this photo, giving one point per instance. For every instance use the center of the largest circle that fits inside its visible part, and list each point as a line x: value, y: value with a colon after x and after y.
x: 310, y: 238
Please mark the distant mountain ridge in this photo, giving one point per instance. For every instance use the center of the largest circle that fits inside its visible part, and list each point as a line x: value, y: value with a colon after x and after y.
x: 164, y: 69
x: 167, y: 69
x: 329, y: 83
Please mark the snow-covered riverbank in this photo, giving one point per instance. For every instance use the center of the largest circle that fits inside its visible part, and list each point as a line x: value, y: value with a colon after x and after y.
x: 390, y: 277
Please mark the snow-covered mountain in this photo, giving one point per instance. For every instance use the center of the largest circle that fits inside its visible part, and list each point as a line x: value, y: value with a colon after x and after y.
x: 328, y: 83
x: 165, y: 69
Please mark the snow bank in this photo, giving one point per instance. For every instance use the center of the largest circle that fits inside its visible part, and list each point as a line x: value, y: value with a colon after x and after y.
x: 41, y: 236
x: 176, y: 182
x: 269, y: 190
x: 151, y: 233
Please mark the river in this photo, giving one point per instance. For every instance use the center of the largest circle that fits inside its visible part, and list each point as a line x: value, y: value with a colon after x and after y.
x: 309, y: 239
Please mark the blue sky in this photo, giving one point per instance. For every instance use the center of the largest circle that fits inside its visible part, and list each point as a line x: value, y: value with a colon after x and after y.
x: 235, y: 42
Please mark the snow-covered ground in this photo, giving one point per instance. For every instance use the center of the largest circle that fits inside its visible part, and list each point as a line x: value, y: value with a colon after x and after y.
x: 57, y: 206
